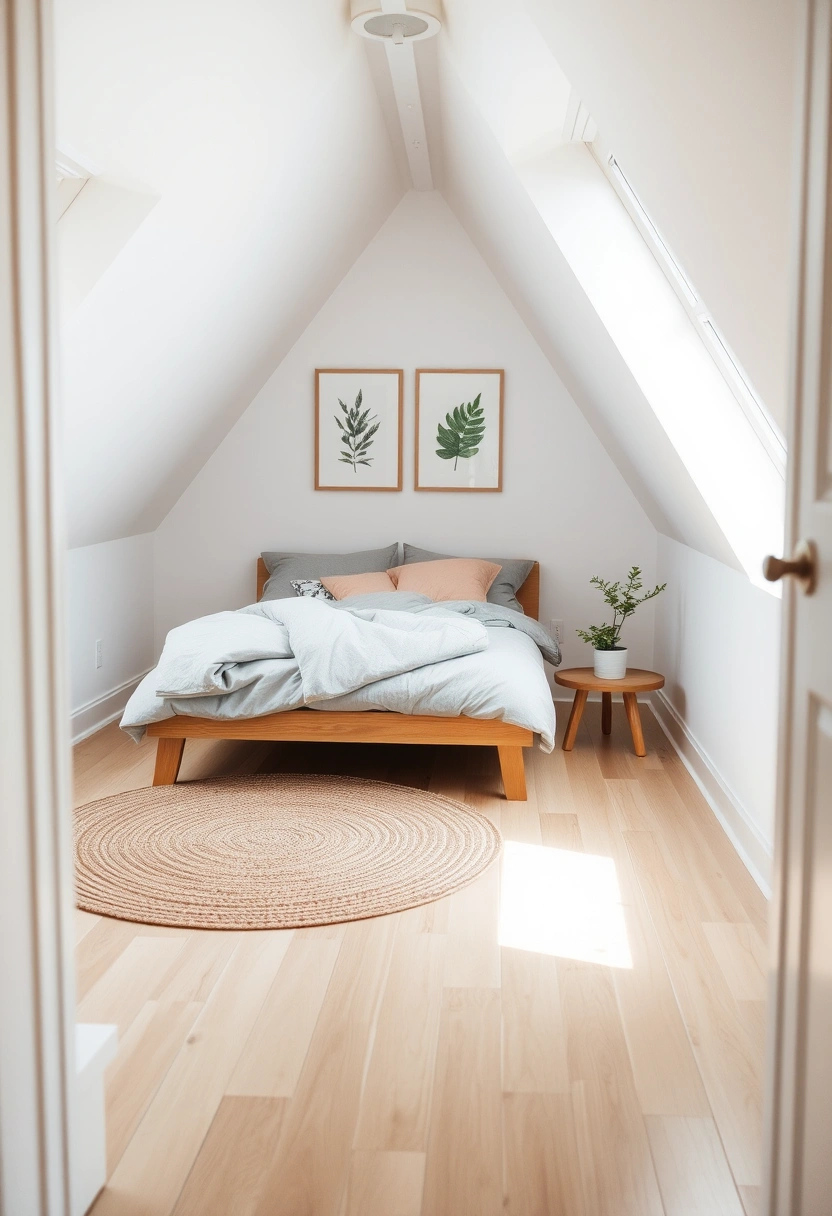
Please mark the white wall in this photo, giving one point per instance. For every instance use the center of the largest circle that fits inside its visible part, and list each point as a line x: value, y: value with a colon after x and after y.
x: 109, y: 595
x: 697, y: 102
x: 718, y: 643
x: 419, y: 296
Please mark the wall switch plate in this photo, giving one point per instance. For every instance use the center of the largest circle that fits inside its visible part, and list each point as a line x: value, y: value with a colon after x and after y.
x: 99, y: 656
x: 556, y: 630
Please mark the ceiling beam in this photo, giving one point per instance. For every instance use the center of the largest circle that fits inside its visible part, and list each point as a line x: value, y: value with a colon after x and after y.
x: 402, y: 64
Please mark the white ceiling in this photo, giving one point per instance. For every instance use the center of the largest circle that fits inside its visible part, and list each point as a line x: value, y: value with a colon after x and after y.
x: 698, y: 102
x: 258, y: 128
x: 509, y: 232
x: 269, y: 133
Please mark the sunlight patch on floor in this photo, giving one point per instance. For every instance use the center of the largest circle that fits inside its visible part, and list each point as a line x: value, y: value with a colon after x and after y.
x: 557, y: 902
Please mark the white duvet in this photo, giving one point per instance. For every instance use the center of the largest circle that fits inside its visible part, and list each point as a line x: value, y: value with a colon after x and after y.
x: 393, y: 652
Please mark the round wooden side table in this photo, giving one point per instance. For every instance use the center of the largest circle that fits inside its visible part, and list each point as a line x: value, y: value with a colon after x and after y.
x: 585, y: 681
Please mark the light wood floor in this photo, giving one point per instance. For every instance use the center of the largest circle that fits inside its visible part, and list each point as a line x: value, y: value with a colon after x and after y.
x: 410, y: 1065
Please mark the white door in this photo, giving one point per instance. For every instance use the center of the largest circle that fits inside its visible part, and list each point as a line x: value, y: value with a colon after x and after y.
x: 798, y: 1144
x: 37, y: 1029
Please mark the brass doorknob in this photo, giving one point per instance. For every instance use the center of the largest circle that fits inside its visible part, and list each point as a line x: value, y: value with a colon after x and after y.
x: 803, y: 566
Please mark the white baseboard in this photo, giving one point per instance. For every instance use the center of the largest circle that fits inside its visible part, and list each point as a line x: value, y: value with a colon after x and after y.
x: 89, y: 718
x: 753, y: 848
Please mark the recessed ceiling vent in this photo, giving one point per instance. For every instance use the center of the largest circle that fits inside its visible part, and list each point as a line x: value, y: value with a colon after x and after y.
x: 377, y: 19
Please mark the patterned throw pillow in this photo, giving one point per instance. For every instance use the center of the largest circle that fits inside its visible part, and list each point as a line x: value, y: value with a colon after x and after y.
x: 312, y: 587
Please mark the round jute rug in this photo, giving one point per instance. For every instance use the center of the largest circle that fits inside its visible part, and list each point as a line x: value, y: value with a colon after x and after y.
x: 274, y: 852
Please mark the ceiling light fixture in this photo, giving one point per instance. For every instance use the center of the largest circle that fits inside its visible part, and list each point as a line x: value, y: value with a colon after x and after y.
x: 373, y: 19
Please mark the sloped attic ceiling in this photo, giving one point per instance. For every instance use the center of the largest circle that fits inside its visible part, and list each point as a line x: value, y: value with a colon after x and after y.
x: 588, y: 286
x: 257, y: 126
x: 699, y: 103
x: 498, y: 215
x: 270, y: 136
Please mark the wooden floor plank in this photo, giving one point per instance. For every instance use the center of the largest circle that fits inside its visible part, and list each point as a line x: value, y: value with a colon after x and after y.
x: 133, y: 979
x: 193, y: 973
x: 694, y: 1177
x: 472, y: 959
x: 534, y: 1039
x: 549, y: 779
x: 520, y: 822
x: 427, y: 918
x: 561, y: 832
x: 741, y: 956
x: 395, y: 1104
x: 749, y: 893
x: 726, y: 1046
x: 614, y: 751
x: 229, y: 1173
x: 542, y: 1171
x: 159, y: 1157
x: 100, y: 948
x: 145, y: 1054
x: 464, y: 1171
x: 617, y: 1175
x: 666, y: 1076
x: 632, y: 807
x: 385, y: 1184
x: 690, y: 853
x: 272, y: 1058
x: 612, y: 1143
x: 308, y: 1175
x: 84, y: 921
x: 665, y: 1071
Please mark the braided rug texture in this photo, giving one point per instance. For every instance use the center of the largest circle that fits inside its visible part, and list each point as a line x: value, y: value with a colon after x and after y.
x: 276, y: 851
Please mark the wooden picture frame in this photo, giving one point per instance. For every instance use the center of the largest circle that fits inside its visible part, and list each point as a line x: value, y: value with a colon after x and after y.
x: 433, y: 473
x: 340, y: 386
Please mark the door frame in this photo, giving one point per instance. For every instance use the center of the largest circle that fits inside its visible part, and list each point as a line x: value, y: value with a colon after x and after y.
x: 37, y: 1023
x: 811, y: 350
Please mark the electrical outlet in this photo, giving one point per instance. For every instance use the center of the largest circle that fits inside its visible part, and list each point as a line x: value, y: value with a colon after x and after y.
x: 556, y: 630
x: 99, y: 656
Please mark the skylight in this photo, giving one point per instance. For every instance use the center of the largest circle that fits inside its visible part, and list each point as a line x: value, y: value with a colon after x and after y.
x: 738, y: 380
x: 686, y: 372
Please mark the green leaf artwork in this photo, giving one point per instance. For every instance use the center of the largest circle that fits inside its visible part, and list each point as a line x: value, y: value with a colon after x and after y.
x: 357, y: 433
x: 463, y: 434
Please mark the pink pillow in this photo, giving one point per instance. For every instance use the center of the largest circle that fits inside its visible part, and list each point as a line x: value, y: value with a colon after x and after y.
x: 457, y: 578
x: 343, y: 585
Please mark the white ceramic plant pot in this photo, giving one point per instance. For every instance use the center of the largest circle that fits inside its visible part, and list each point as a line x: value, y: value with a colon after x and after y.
x: 611, y: 664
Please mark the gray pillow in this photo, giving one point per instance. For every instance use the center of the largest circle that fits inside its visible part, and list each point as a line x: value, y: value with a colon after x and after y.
x: 503, y: 591
x: 284, y: 567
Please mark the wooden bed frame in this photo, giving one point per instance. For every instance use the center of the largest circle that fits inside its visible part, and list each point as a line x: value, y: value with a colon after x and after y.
x: 360, y: 726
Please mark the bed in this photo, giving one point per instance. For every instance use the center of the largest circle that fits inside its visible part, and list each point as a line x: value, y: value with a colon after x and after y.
x: 357, y: 726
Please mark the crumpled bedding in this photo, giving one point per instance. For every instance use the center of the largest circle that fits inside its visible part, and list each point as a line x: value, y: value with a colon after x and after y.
x: 389, y: 651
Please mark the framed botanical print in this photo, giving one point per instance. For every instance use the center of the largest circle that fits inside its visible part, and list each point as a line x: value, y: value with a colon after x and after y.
x: 358, y: 429
x: 459, y: 429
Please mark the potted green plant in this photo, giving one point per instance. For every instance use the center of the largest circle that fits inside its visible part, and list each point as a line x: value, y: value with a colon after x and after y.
x: 623, y: 598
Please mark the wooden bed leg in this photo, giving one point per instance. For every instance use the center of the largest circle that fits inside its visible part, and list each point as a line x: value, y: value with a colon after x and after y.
x: 514, y: 773
x: 168, y: 758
